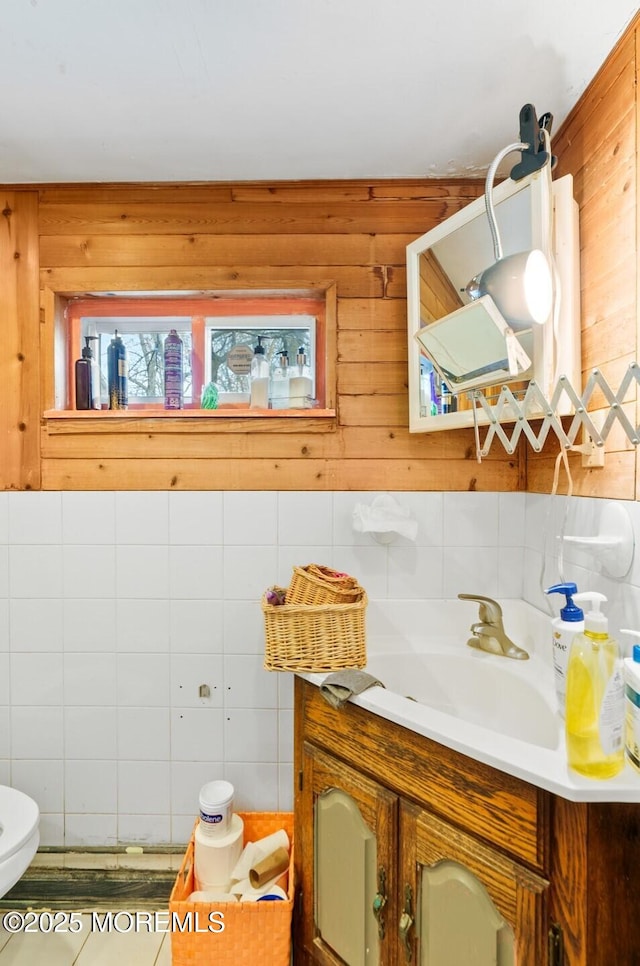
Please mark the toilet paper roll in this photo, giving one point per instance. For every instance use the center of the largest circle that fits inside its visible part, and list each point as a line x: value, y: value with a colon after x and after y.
x: 269, y: 868
x: 253, y: 852
x: 214, y: 858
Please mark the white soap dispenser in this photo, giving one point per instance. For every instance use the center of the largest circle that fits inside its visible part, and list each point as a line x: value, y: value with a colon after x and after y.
x: 563, y: 630
x: 300, y: 384
x: 259, y: 378
x: 280, y: 382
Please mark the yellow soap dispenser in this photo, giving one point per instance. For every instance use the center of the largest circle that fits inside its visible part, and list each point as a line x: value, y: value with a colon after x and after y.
x: 595, y: 697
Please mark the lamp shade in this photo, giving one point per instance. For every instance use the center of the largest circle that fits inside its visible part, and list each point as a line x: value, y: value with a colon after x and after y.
x: 520, y: 285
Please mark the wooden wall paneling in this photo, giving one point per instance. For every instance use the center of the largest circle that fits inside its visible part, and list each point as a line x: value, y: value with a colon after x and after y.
x: 172, y: 249
x: 637, y: 247
x: 365, y: 315
x: 276, y: 474
x: 377, y: 345
x: 245, y: 218
x: 615, y: 480
x: 131, y: 193
x: 352, y: 281
x: 598, y: 144
x: 349, y: 235
x: 20, y: 329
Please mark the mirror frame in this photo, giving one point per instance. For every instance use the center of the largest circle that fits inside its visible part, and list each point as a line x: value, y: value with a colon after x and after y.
x: 553, y: 354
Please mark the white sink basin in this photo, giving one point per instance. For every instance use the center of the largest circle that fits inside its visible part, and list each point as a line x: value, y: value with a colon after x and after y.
x: 495, y: 709
x: 481, y: 689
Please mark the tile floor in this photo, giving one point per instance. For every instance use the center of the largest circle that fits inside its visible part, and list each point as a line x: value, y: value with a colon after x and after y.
x: 89, y: 946
x: 86, y: 947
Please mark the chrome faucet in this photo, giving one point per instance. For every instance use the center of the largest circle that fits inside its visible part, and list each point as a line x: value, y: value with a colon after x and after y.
x: 488, y: 632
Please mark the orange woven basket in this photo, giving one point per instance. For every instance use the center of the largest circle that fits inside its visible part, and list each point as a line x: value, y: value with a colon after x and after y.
x: 254, y: 934
x: 317, y: 584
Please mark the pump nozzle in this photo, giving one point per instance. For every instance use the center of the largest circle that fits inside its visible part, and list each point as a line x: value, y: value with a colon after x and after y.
x: 569, y: 612
x: 87, y: 352
x: 594, y: 620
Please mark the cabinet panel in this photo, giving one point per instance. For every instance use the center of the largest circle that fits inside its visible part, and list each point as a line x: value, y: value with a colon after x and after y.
x: 355, y: 819
x: 459, y: 923
x: 514, y: 894
x: 345, y: 857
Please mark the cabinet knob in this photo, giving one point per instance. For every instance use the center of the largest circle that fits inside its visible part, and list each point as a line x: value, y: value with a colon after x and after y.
x: 380, y: 901
x: 406, y: 922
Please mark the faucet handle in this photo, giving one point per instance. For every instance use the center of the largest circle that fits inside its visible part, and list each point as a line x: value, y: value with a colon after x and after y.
x: 490, y: 610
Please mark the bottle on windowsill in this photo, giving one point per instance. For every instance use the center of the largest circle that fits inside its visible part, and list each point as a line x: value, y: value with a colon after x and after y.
x: 300, y: 386
x: 259, y: 378
x: 280, y: 382
x: 87, y: 373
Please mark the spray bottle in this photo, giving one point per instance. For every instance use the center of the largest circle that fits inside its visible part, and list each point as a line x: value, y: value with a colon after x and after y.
x: 118, y: 373
x: 564, y: 629
x: 595, y: 697
x: 173, y: 371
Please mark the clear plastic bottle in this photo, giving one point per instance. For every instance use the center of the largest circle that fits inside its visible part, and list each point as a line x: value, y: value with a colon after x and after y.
x: 259, y: 398
x: 300, y: 385
x: 280, y: 382
x: 595, y: 697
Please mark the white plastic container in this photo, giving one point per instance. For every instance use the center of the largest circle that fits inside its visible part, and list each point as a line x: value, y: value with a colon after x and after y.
x: 563, y: 630
x: 632, y: 702
x: 216, y: 807
x: 215, y: 856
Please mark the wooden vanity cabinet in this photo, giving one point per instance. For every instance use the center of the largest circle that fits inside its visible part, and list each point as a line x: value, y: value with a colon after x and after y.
x: 558, y: 878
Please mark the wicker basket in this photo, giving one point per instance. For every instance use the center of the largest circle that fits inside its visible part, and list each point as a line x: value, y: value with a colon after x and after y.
x: 314, y: 637
x: 316, y: 584
x: 255, y: 933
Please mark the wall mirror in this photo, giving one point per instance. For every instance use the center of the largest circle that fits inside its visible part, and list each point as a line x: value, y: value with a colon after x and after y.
x: 534, y: 212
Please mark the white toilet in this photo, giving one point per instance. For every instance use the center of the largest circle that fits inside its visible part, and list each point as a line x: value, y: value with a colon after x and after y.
x: 19, y: 835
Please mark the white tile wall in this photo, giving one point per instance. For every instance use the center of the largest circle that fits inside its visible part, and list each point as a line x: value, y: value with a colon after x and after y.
x: 116, y: 607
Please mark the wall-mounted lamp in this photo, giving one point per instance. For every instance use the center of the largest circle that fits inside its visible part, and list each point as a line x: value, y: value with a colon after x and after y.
x: 521, y: 285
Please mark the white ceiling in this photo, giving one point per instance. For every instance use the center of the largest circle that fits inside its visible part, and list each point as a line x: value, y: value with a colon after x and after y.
x: 218, y: 90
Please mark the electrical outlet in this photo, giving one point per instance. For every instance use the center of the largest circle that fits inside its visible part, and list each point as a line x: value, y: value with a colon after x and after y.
x: 593, y: 455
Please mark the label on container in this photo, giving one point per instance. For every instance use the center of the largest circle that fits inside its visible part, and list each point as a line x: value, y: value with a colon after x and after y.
x: 212, y: 819
x: 560, y: 661
x: 632, y: 726
x: 611, y: 725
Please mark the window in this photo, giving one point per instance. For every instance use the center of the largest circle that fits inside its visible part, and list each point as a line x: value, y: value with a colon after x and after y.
x: 277, y: 333
x: 212, y: 331
x: 144, y: 343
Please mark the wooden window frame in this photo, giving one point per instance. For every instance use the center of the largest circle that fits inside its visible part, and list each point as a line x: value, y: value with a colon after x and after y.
x: 63, y: 306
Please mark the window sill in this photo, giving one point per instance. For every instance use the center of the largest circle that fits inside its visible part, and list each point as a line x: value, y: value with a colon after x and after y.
x: 228, y: 412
